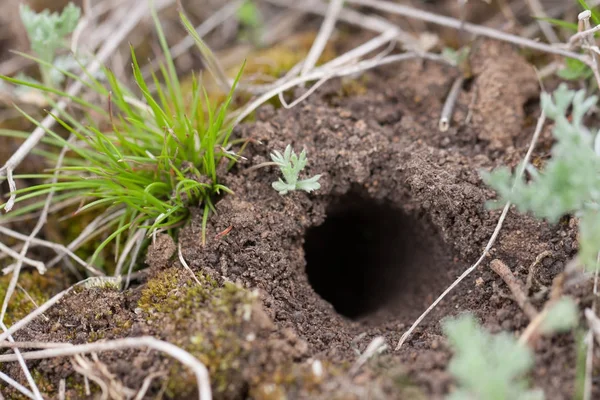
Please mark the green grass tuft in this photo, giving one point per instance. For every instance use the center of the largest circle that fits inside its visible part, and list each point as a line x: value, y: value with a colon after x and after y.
x: 153, y: 151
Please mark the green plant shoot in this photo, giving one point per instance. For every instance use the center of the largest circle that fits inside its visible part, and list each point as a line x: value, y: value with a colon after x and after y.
x: 290, y: 165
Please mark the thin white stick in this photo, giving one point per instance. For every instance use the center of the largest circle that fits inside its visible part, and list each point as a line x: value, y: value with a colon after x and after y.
x: 59, y: 248
x: 86, y: 384
x: 146, y: 385
x: 36, y: 391
x: 323, y: 36
x: 536, y: 134
x: 114, y: 40
x: 369, y: 22
x: 37, y: 264
x: 344, y: 59
x: 62, y: 389
x: 580, y: 35
x: 185, y: 264
x: 32, y: 345
x: 359, y: 51
x: 449, y: 104
x: 319, y: 73
x: 16, y: 385
x: 34, y: 314
x: 593, y: 322
x: 202, y: 377
x: 411, y: 12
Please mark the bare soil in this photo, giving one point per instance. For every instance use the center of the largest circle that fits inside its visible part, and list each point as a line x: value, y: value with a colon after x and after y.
x: 287, y: 280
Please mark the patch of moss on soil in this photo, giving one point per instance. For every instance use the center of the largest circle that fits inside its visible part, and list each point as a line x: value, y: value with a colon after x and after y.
x: 39, y: 289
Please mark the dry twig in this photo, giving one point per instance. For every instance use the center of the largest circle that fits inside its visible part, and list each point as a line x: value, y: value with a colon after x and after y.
x: 449, y: 104
x: 516, y: 287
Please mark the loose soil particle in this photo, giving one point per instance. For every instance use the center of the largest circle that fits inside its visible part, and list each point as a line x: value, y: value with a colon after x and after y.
x: 400, y: 214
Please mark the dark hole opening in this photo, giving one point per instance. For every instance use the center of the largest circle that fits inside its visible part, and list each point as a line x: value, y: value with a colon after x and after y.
x: 370, y: 255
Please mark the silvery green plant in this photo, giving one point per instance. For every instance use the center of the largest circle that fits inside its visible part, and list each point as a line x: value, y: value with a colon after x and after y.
x: 486, y: 366
x: 47, y: 34
x: 570, y: 182
x: 290, y: 165
x: 493, y: 367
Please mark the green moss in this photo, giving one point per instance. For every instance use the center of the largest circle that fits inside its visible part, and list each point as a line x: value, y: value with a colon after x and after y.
x: 75, y: 387
x: 277, y: 60
x: 39, y: 287
x: 206, y: 320
x: 354, y: 86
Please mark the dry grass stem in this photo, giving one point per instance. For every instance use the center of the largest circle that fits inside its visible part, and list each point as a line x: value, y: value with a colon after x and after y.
x: 204, y: 390
x: 185, y: 264
x: 588, y: 40
x: 368, y: 22
x: 325, y: 31
x: 11, y: 382
x: 474, y: 29
x: 146, y: 384
x: 34, y: 389
x: 59, y: 248
x: 318, y: 74
x: 37, y: 264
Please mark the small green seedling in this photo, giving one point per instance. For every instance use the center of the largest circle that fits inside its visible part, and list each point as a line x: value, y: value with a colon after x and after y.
x: 47, y: 34
x: 570, y: 182
x: 290, y: 165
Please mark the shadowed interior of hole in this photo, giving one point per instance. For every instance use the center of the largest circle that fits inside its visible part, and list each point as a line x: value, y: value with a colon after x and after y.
x: 368, y: 255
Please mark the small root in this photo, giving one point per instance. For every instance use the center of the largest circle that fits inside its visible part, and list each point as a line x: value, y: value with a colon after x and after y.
x: 516, y: 287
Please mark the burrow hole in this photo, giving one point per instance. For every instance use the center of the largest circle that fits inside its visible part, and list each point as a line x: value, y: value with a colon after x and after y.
x: 370, y: 255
